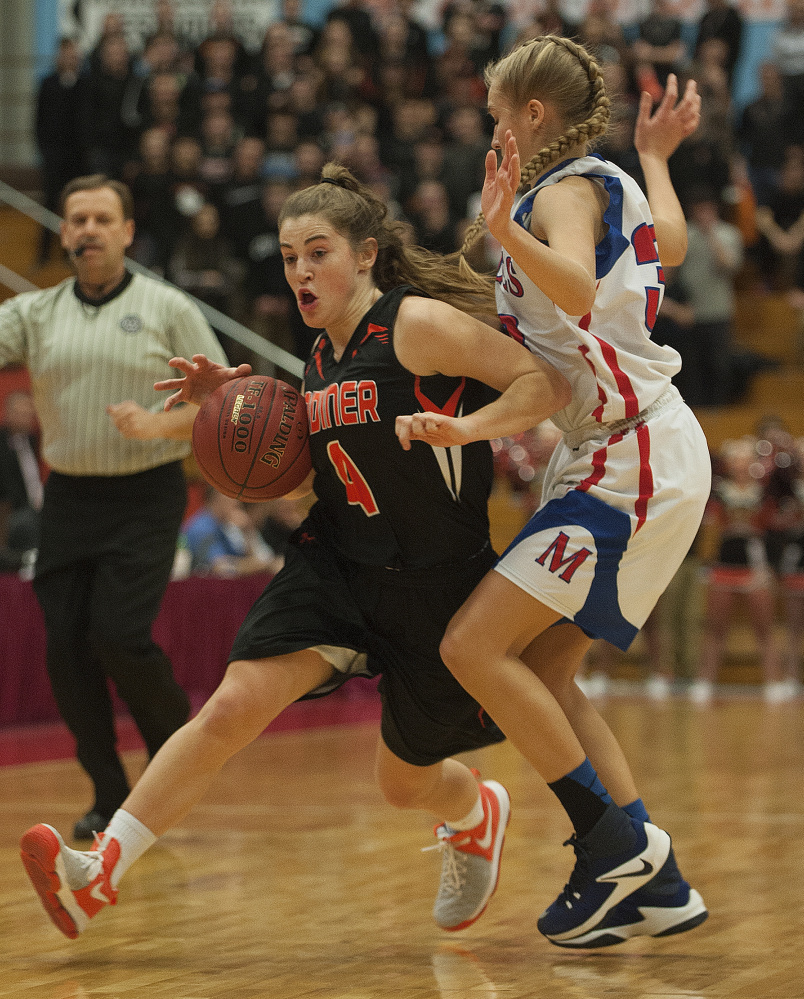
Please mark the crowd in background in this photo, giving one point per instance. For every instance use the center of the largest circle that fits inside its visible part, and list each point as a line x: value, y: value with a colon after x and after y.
x: 212, y: 138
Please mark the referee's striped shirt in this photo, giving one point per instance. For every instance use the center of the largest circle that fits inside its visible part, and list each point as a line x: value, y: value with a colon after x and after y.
x: 81, y: 357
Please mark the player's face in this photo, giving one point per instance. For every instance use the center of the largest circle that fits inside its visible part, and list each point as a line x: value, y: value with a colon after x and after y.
x: 518, y: 120
x: 328, y: 277
x: 94, y: 220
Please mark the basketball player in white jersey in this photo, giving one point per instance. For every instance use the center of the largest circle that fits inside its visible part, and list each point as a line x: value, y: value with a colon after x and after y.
x: 579, y: 283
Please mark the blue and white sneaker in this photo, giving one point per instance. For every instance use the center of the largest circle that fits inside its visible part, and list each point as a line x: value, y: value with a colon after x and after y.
x: 614, y: 860
x: 664, y: 906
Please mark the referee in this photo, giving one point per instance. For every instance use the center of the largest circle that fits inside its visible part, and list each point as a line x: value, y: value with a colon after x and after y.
x: 113, y: 503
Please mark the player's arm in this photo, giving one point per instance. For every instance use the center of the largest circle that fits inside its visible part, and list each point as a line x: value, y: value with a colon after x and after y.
x: 432, y: 337
x: 564, y: 269
x: 656, y: 138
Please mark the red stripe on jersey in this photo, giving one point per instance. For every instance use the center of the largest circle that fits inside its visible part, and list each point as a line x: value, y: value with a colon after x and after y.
x: 622, y: 379
x: 601, y: 394
x: 598, y: 465
x: 451, y: 407
x: 645, y: 475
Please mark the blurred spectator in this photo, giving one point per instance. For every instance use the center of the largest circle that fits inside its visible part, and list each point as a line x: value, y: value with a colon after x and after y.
x: 223, y: 541
x: 304, y: 36
x: 357, y: 17
x: 434, y: 226
x: 221, y: 86
x: 701, y: 159
x: 709, y: 71
x: 309, y: 159
x: 339, y: 62
x: 281, y: 139
x: 202, y: 263
x: 784, y: 502
x: 458, y: 70
x: 276, y: 520
x: 602, y: 34
x: 188, y: 188
x: 740, y: 569
x: 674, y: 327
x: 108, y: 139
x: 218, y: 136
x: 707, y: 275
x: 464, y: 158
x: 59, y: 104
x: 659, y: 50
x: 150, y: 180
x: 20, y: 482
x: 722, y: 21
x: 240, y: 197
x: 780, y: 252
x: 761, y: 134
x: 269, y: 300
x: 787, y: 52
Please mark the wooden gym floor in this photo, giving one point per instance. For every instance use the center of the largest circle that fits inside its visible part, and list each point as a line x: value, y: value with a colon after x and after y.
x: 293, y: 879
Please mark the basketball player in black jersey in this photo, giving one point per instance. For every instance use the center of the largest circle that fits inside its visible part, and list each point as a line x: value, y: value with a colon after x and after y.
x: 396, y: 541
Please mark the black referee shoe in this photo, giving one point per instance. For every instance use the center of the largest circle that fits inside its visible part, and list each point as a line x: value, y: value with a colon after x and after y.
x: 93, y: 822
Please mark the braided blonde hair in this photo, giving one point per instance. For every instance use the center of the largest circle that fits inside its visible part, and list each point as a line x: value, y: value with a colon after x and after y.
x: 562, y: 73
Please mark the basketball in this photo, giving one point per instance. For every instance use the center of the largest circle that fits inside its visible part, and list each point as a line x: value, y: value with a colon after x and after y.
x: 250, y: 438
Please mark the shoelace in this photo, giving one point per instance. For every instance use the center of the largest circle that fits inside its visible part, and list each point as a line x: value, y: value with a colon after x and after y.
x: 453, y: 864
x: 579, y: 873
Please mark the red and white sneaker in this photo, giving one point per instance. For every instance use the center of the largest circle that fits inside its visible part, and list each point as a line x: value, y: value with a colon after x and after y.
x: 470, y: 865
x: 74, y: 886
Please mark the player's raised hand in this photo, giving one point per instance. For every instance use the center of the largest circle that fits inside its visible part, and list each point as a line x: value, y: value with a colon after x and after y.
x: 201, y: 378
x: 661, y: 133
x: 500, y: 186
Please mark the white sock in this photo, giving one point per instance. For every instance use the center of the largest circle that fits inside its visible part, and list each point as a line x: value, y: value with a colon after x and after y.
x: 134, y: 839
x: 474, y: 818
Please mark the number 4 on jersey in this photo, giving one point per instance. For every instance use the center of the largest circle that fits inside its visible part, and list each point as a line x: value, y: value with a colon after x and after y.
x: 358, y: 491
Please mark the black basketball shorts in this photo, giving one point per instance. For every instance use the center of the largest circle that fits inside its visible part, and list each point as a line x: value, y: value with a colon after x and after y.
x: 377, y: 622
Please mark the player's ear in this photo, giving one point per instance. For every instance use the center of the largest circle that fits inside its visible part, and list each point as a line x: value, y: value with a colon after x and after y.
x: 367, y: 254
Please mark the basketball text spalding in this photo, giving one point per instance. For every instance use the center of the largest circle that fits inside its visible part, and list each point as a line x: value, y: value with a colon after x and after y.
x: 250, y: 438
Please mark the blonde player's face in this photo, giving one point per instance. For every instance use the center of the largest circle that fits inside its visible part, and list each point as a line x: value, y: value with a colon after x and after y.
x: 523, y: 122
x: 323, y: 270
x: 93, y: 220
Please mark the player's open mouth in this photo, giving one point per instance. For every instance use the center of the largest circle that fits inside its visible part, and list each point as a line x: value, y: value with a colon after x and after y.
x: 306, y: 299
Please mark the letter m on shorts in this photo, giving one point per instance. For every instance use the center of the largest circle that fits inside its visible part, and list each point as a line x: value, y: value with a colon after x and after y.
x: 559, y: 560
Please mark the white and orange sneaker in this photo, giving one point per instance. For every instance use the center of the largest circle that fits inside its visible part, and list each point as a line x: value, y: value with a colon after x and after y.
x: 470, y: 866
x: 73, y: 885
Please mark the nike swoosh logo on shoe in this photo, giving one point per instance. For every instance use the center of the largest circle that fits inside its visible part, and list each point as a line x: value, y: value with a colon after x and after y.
x: 485, y: 842
x: 646, y: 868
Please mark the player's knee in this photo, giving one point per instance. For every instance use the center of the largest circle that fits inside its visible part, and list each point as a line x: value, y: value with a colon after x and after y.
x: 402, y: 793
x: 231, y: 717
x: 458, y: 649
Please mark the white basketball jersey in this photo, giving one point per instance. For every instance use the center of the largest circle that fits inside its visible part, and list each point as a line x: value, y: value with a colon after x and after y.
x: 615, y: 370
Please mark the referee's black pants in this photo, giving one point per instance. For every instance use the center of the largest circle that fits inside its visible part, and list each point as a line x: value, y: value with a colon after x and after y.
x: 106, y: 549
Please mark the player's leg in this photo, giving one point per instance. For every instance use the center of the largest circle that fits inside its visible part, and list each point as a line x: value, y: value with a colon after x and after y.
x: 617, y: 852
x: 75, y: 886
x: 473, y: 817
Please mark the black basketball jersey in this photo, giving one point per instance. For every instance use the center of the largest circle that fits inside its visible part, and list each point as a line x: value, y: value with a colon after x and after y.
x: 376, y: 503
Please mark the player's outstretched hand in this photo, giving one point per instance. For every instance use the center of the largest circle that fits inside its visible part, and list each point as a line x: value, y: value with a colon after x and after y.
x: 500, y: 186
x: 201, y: 378
x: 432, y: 428
x: 661, y: 133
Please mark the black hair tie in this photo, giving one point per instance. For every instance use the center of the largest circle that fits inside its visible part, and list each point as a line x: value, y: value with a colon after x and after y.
x: 329, y: 180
